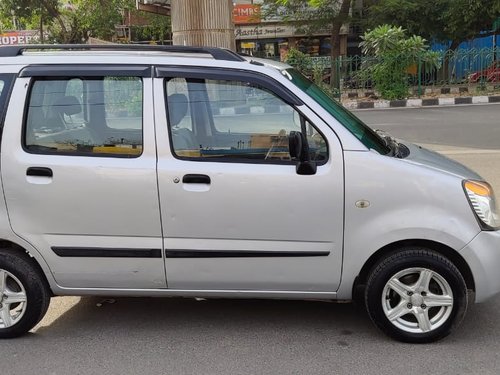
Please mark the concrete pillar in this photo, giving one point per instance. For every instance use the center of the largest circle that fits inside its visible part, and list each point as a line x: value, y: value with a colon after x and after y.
x: 206, y: 23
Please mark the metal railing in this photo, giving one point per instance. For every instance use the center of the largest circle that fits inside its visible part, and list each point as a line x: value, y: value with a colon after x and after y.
x: 473, y: 71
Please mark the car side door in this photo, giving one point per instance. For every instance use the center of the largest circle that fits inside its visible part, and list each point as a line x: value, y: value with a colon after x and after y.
x: 235, y: 213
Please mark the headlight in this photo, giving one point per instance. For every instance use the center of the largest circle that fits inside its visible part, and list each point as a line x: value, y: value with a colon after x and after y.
x: 482, y: 200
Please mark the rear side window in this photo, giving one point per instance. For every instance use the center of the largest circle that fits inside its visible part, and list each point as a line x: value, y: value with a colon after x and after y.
x: 95, y: 116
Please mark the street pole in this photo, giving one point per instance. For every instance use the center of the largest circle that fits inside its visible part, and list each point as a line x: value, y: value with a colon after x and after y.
x: 203, y: 23
x: 41, y: 26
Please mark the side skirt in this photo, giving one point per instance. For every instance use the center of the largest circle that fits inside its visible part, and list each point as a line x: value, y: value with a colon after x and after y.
x: 294, y: 295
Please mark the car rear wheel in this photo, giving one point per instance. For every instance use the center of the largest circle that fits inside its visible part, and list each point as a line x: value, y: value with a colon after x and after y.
x: 24, y: 296
x: 416, y: 295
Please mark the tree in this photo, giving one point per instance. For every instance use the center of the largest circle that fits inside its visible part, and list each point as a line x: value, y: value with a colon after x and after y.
x: 76, y: 21
x: 446, y: 21
x: 29, y: 14
x: 313, y: 15
x: 93, y: 18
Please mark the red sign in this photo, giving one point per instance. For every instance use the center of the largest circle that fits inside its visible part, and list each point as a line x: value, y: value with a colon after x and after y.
x: 18, y: 37
x: 246, y: 13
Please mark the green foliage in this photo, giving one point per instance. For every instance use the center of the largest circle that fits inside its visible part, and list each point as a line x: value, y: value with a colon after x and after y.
x: 298, y: 60
x: 383, y: 39
x: 157, y: 29
x: 395, y: 56
x: 95, y: 18
x: 440, y: 20
x: 304, y: 64
x: 312, y: 14
x: 78, y: 20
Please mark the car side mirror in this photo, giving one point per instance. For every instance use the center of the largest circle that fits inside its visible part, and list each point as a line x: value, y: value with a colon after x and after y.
x: 299, y: 150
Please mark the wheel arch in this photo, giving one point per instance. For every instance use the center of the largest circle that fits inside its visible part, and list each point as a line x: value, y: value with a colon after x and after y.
x: 448, y: 252
x: 12, y: 247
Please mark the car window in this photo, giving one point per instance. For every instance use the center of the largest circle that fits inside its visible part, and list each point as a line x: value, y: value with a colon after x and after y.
x: 85, y: 116
x: 234, y: 120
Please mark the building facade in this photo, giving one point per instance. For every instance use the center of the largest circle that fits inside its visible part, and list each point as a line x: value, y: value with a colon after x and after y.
x: 261, y: 35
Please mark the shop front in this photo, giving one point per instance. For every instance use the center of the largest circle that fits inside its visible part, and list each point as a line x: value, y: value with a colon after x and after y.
x: 271, y: 38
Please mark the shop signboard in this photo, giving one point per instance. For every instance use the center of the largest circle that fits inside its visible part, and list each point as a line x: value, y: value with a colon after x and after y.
x: 264, y: 32
x: 18, y: 37
x: 246, y: 13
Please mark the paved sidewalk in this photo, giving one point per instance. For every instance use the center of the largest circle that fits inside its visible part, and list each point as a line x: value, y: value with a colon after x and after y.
x: 417, y: 103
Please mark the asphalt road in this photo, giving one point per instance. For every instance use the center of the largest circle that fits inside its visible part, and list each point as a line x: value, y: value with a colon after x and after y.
x: 184, y: 336
x: 468, y: 134
x: 476, y: 126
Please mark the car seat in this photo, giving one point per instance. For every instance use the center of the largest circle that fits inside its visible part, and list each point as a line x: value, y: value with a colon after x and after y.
x: 182, y: 138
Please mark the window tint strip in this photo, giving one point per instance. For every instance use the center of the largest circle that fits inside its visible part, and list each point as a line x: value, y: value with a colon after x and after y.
x: 230, y: 75
x: 86, y: 71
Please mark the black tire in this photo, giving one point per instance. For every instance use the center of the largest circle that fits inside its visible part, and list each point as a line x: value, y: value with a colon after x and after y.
x: 405, y: 266
x: 20, y: 266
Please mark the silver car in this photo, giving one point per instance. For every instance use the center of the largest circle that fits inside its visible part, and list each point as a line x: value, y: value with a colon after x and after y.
x: 183, y: 171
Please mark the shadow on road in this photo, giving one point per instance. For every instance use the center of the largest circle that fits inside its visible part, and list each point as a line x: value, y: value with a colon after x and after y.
x: 165, y: 316
x: 188, y: 319
x: 183, y: 336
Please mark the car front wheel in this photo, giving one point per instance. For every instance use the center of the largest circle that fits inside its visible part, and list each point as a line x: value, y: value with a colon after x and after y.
x: 416, y: 295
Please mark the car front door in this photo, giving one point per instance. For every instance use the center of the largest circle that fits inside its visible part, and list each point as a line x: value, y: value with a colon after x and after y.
x: 235, y: 213
x: 79, y: 174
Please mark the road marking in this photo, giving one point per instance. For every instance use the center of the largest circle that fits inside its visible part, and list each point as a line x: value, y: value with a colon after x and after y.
x: 424, y: 107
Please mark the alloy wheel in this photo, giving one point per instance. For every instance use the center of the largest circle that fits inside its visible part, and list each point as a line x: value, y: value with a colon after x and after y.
x: 417, y: 300
x: 13, y: 300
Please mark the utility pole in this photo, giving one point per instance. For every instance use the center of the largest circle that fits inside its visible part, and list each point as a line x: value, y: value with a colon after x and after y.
x: 203, y: 23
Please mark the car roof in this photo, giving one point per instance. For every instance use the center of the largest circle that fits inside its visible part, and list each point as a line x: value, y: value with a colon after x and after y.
x: 129, y: 54
x: 216, y: 53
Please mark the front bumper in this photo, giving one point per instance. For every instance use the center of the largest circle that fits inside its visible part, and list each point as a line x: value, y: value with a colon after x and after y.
x: 483, y: 256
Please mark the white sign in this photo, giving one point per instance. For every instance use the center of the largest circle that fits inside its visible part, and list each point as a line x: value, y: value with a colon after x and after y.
x: 18, y: 37
x: 263, y: 32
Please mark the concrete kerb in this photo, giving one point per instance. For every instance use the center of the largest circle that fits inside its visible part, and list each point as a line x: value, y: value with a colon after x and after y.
x: 417, y: 103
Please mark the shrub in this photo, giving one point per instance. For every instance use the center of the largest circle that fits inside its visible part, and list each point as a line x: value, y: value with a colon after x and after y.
x: 395, y: 59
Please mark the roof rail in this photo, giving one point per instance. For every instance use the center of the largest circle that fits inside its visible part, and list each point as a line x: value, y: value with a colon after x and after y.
x: 216, y: 53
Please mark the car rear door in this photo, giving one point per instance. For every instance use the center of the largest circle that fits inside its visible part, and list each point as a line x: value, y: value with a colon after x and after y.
x: 79, y: 174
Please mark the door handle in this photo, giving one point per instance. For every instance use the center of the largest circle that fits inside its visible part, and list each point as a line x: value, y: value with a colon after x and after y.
x: 196, y: 179
x: 39, y: 172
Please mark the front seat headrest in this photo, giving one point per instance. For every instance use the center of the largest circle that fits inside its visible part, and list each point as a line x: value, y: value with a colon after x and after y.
x: 69, y: 105
x: 177, y: 108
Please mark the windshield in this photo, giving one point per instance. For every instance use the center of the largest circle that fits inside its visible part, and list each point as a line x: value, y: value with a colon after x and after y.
x: 361, y: 131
